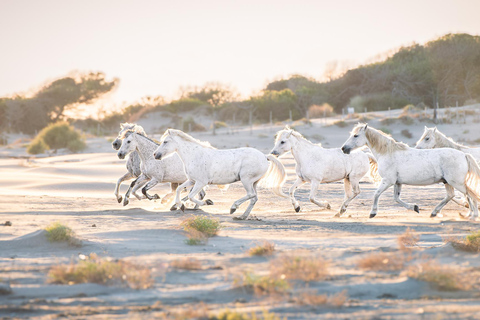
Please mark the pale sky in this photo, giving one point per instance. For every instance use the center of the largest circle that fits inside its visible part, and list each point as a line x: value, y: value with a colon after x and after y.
x: 155, y: 47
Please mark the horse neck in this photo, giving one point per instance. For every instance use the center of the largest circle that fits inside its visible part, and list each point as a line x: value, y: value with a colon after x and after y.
x: 145, y: 148
x: 188, y: 149
x: 375, y: 148
x: 444, y: 142
x: 300, y: 148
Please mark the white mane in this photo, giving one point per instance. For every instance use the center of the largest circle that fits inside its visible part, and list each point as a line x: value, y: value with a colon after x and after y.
x: 186, y: 137
x: 294, y: 133
x: 130, y: 127
x: 380, y: 141
x: 442, y: 141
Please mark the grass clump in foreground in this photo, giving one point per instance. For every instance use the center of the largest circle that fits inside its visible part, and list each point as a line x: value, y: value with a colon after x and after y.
x: 102, y: 271
x: 442, y: 277
x: 408, y: 240
x: 263, y: 285
x: 234, y: 315
x: 200, y: 228
x: 57, y: 232
x: 382, y: 261
x: 186, y: 264
x: 264, y: 249
x: 470, y: 243
x: 314, y: 299
x: 300, y: 265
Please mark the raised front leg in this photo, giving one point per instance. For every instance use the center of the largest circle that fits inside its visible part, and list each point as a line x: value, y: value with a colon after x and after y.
x: 178, y: 203
x: 292, y: 190
x: 313, y: 191
x: 450, y: 195
x: 196, y: 189
x: 397, y: 189
x: 152, y: 183
x: 126, y: 176
x: 173, y: 188
x: 352, y: 189
x: 384, y: 185
x: 137, y: 183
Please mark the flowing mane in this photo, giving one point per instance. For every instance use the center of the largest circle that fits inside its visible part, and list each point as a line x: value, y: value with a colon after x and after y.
x: 130, y: 127
x: 149, y: 139
x: 442, y: 141
x: 186, y: 137
x: 380, y: 141
x: 294, y: 133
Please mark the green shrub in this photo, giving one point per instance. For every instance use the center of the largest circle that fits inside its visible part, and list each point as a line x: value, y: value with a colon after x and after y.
x: 206, y: 225
x: 385, y: 130
x: 220, y: 124
x: 37, y: 146
x: 57, y: 232
x: 406, y: 133
x: 59, y: 135
x: 190, y: 125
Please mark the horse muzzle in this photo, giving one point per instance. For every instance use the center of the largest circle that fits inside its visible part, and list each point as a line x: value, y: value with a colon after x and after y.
x: 346, y: 150
x: 157, y: 156
x: 121, y: 155
x: 116, y: 145
x: 275, y: 153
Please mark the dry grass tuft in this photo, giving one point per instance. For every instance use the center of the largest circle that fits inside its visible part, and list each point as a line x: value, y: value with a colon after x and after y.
x: 234, y: 315
x: 200, y: 228
x: 442, y: 277
x: 382, y: 261
x: 314, y: 299
x: 300, y: 265
x: 262, y: 285
x: 408, y: 240
x: 102, y: 271
x: 186, y: 264
x: 264, y: 249
x: 198, y: 311
x: 57, y: 232
x: 470, y: 243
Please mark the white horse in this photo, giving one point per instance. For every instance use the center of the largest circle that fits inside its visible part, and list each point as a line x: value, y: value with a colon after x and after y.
x: 432, y: 138
x: 133, y: 162
x: 153, y: 171
x: 399, y: 164
x: 316, y: 165
x: 205, y: 165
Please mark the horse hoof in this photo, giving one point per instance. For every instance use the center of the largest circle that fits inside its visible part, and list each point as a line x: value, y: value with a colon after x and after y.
x: 238, y: 218
x: 433, y: 215
x: 156, y: 196
x: 328, y: 206
x: 297, y: 209
x: 173, y: 208
x: 119, y: 199
x: 342, y: 211
x: 416, y: 209
x: 182, y: 208
x: 125, y: 202
x: 201, y: 196
x: 232, y: 210
x: 208, y: 202
x: 372, y: 215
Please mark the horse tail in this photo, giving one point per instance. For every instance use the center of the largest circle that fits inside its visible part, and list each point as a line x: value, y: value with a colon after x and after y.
x: 472, y: 179
x: 275, y: 176
x: 373, y: 172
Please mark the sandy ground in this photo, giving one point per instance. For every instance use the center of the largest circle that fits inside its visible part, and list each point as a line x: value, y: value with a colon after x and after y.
x: 77, y: 190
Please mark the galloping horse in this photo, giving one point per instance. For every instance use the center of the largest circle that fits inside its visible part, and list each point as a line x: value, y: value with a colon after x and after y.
x: 399, y: 164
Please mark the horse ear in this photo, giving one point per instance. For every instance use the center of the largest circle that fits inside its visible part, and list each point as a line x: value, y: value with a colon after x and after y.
x: 435, y: 129
x: 365, y: 128
x: 290, y: 133
x: 426, y: 128
x: 286, y: 127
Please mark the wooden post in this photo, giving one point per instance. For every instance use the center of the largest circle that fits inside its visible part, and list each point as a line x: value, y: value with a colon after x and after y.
x: 456, y: 112
x: 290, y: 113
x: 271, y: 120
x: 435, y: 113
x: 250, y: 122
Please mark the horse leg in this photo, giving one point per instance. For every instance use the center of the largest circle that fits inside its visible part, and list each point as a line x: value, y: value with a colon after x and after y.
x: 152, y: 183
x: 126, y: 176
x: 450, y: 195
x: 292, y: 190
x: 196, y: 189
x: 139, y: 181
x: 350, y: 193
x: 178, y: 204
x: 313, y: 191
x: 473, y: 206
x: 251, y: 195
x: 397, y: 189
x: 384, y: 185
x: 173, y: 188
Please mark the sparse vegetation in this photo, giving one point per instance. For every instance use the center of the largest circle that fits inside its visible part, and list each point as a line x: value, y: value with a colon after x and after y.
x: 265, y: 249
x: 408, y: 240
x: 234, y: 315
x: 381, y: 261
x: 186, y: 264
x: 57, y: 232
x: 470, y: 243
x: 263, y: 285
x: 406, y: 133
x: 300, y: 265
x: 385, y: 130
x: 190, y: 125
x: 310, y: 298
x: 220, y: 124
x: 442, y: 277
x: 200, y: 228
x: 56, y: 136
x: 407, y: 120
x: 325, y: 110
x: 102, y: 271
x: 340, y: 123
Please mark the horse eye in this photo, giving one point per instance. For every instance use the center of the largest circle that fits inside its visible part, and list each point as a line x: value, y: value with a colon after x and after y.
x: 355, y: 136
x: 128, y: 141
x: 282, y: 142
x: 426, y: 139
x: 165, y: 142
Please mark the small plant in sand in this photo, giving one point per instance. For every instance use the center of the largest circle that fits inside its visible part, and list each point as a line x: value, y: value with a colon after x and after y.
x: 341, y: 124
x: 200, y: 228
x: 311, y: 298
x: 300, y: 265
x: 264, y: 249
x: 186, y: 264
x: 408, y: 240
x: 262, y: 285
x: 406, y: 133
x: 192, y: 311
x: 470, y: 243
x: 235, y: 315
x: 57, y: 232
x: 102, y: 271
x: 382, y: 261
x: 440, y: 276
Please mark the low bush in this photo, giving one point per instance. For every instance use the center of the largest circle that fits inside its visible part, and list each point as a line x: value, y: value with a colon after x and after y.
x: 57, y: 136
x: 340, y: 123
x: 325, y: 110
x: 314, y: 299
x: 234, y: 315
x: 190, y: 125
x: 57, y: 232
x: 406, y: 133
x: 408, y: 240
x: 300, y: 265
x: 440, y: 276
x: 382, y: 261
x: 37, y: 146
x: 264, y: 249
x: 263, y: 285
x: 200, y: 228
x: 470, y: 243
x: 186, y: 264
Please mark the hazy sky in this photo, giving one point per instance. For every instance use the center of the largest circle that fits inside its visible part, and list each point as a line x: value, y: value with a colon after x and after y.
x: 155, y: 47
